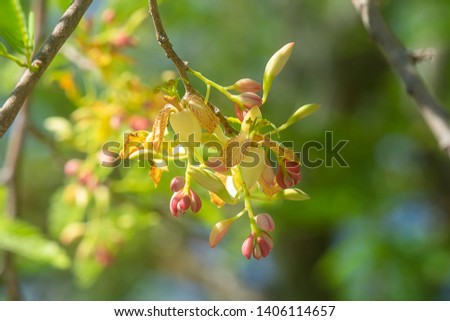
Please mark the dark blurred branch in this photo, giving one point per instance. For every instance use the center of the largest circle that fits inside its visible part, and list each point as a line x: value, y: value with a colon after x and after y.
x: 9, y: 171
x: 402, y: 61
x: 164, y: 42
x: 8, y: 177
x: 64, y: 28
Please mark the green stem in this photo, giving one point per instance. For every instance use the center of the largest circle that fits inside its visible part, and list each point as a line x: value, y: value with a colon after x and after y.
x: 223, y: 90
x: 208, y: 92
x: 247, y: 197
x: 187, y: 178
x: 14, y: 58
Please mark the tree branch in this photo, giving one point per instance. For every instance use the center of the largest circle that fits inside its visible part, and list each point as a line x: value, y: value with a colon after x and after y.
x: 64, y: 28
x: 164, y: 42
x: 435, y: 116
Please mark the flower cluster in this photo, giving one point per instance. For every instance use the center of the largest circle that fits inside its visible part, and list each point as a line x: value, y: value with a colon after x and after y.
x: 239, y: 168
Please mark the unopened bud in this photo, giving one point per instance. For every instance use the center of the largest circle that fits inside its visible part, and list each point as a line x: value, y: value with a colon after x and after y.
x: 196, y: 202
x: 299, y: 114
x: 265, y: 222
x: 265, y: 244
x: 247, y: 247
x: 123, y: 39
x: 219, y: 231
x: 249, y: 99
x: 247, y: 85
x: 139, y: 123
x: 275, y: 64
x: 177, y: 184
x: 108, y: 15
x: 71, y: 167
x: 184, y: 203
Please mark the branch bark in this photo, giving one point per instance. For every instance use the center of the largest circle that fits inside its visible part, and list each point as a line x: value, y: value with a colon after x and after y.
x: 166, y: 45
x: 64, y: 28
x: 403, y: 62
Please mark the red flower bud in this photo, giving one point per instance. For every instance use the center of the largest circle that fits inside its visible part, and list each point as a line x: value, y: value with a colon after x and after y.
x: 249, y: 99
x: 247, y: 247
x: 288, y: 174
x: 177, y: 183
x: 71, y: 167
x: 139, y: 123
x: 196, y: 202
x: 265, y: 243
x: 247, y: 85
x: 265, y: 222
x: 181, y: 202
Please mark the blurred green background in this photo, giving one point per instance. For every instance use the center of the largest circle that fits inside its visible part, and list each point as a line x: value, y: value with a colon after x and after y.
x: 376, y: 230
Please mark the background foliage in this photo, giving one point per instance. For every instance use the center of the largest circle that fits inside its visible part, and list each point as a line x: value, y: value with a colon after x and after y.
x: 377, y: 230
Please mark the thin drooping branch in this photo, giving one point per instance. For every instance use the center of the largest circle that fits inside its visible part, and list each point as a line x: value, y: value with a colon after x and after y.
x: 163, y: 40
x: 64, y: 28
x: 403, y: 62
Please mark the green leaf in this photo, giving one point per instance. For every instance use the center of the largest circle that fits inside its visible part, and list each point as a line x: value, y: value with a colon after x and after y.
x: 211, y: 182
x: 25, y: 240
x: 30, y: 33
x: 13, y: 27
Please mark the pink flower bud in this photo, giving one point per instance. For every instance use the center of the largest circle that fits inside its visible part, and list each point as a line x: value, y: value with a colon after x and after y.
x: 123, y: 39
x: 88, y: 179
x: 139, y: 123
x: 249, y: 99
x: 219, y: 231
x: 181, y: 202
x: 288, y: 174
x: 257, y: 254
x: 247, y: 85
x: 71, y: 167
x: 108, y: 15
x: 247, y: 247
x: 239, y: 112
x: 177, y: 184
x: 196, y: 202
x: 116, y: 121
x: 265, y: 222
x: 264, y: 244
x: 104, y: 256
x: 174, y: 205
x: 184, y: 204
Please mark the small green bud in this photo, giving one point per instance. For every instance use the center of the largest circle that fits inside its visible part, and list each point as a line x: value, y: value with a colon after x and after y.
x: 274, y: 66
x: 299, y: 114
x: 219, y: 231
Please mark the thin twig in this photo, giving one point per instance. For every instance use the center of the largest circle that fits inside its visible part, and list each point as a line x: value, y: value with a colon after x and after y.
x: 435, y: 116
x: 43, y: 58
x: 164, y: 42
